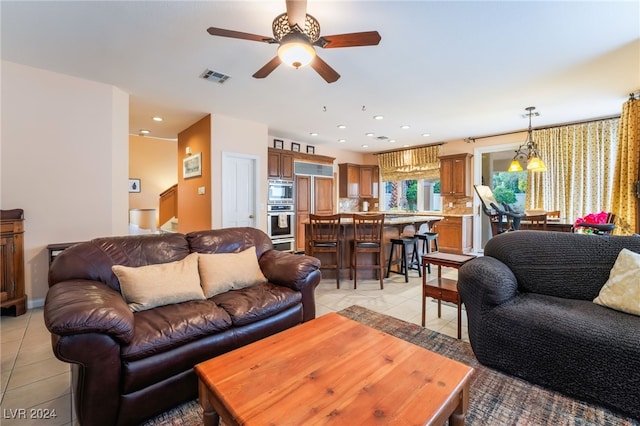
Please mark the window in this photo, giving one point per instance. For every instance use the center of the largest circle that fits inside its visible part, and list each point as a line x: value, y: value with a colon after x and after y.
x: 510, y: 188
x: 412, y: 195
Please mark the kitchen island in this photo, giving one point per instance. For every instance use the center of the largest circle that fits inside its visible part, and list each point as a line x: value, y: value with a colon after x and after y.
x: 394, y: 225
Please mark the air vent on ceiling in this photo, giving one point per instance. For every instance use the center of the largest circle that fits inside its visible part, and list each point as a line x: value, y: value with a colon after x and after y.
x: 214, y: 76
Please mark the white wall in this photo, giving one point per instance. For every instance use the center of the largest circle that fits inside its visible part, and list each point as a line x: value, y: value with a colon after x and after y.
x: 64, y: 149
x: 241, y: 137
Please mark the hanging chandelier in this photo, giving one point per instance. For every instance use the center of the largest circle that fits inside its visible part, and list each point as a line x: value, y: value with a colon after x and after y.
x: 528, y: 151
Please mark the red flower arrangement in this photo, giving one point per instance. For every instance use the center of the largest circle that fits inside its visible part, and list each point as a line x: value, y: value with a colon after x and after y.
x: 596, y: 218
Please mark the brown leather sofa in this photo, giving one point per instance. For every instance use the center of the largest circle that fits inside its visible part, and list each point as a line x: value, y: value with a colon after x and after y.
x: 128, y: 367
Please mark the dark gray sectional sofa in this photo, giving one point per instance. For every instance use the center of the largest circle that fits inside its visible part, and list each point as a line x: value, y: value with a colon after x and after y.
x: 530, y: 314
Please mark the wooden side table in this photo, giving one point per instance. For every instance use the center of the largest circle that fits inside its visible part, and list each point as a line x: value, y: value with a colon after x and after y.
x: 443, y: 289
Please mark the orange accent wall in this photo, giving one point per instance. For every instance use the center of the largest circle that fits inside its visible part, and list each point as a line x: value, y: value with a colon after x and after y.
x: 194, y: 210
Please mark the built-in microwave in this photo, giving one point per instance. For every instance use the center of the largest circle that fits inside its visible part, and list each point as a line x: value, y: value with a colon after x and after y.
x: 280, y: 191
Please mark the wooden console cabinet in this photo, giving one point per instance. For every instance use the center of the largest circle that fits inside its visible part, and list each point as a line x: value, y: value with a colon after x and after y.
x: 455, y: 175
x: 455, y: 234
x: 13, y: 299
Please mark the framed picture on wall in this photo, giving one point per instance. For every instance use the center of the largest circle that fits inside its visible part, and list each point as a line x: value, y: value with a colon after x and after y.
x: 311, y: 149
x: 134, y: 185
x: 295, y: 146
x: 192, y: 166
x: 278, y: 144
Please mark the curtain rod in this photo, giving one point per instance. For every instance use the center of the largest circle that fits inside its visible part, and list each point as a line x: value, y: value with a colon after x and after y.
x: 408, y: 148
x: 572, y: 123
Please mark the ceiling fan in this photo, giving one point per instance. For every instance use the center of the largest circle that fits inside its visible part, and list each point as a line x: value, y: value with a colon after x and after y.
x: 297, y: 33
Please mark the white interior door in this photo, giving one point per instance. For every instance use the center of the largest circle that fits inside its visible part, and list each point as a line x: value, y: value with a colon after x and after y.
x: 239, y: 190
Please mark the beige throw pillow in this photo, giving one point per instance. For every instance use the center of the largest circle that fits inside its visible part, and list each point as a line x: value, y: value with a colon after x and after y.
x: 146, y: 287
x: 622, y: 291
x: 221, y: 272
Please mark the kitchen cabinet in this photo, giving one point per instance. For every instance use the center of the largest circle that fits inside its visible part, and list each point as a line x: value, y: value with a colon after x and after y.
x: 455, y: 234
x: 369, y: 181
x: 358, y: 181
x: 318, y: 189
x: 280, y: 164
x: 455, y: 175
x: 349, y: 180
x: 12, y: 295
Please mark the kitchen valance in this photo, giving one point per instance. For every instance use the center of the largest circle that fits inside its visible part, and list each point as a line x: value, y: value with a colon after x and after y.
x: 414, y: 163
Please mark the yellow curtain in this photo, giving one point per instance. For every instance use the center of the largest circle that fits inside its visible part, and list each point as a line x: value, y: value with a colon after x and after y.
x: 415, y: 163
x: 627, y: 169
x: 580, y: 162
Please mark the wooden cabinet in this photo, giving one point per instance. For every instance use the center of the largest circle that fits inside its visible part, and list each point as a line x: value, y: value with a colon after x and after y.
x: 455, y: 175
x: 280, y: 164
x: 455, y: 234
x: 12, y: 297
x: 369, y: 181
x: 349, y: 180
x: 308, y: 188
x: 358, y: 181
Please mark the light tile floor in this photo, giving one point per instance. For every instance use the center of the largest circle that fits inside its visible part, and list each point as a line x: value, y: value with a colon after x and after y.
x: 34, y: 382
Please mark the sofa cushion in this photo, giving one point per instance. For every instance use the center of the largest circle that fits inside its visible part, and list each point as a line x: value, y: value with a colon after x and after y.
x: 622, y: 290
x: 166, y: 327
x: 257, y: 302
x: 147, y: 287
x: 221, y: 272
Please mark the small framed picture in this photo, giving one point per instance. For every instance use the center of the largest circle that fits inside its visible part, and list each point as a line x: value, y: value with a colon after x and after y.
x: 134, y: 185
x: 311, y: 149
x: 278, y: 144
x: 192, y: 166
x: 295, y: 146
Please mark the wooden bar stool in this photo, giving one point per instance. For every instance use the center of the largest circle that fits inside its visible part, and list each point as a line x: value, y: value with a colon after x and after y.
x: 367, y: 239
x: 325, y: 238
x: 414, y: 263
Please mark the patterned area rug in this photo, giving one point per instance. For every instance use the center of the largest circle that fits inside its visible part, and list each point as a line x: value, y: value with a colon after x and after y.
x: 495, y: 398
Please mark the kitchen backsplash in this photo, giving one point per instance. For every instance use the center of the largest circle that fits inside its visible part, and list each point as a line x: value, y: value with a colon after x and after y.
x: 459, y: 205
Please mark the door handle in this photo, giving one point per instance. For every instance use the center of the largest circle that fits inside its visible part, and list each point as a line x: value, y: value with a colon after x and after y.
x: 251, y: 216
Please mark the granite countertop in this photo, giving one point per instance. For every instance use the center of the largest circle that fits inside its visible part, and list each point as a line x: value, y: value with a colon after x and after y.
x: 418, y: 213
x: 401, y: 220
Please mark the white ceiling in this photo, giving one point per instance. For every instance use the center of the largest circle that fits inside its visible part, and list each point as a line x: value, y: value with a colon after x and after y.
x: 451, y: 69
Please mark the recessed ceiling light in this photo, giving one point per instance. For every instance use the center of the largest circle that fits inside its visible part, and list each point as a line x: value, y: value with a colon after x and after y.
x: 341, y: 126
x: 369, y: 134
x: 392, y: 141
x: 157, y: 118
x: 314, y: 133
x: 342, y: 140
x: 406, y: 145
x: 378, y: 117
x: 365, y: 146
x: 426, y: 135
x: 144, y: 132
x: 405, y: 127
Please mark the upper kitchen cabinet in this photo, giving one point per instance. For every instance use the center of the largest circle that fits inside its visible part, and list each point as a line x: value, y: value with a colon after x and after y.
x: 455, y: 175
x: 369, y: 181
x: 280, y: 164
x: 349, y: 181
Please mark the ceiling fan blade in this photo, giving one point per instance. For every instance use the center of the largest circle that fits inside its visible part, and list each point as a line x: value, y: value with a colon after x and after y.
x: 297, y: 13
x: 237, y: 34
x: 329, y: 74
x: 367, y: 38
x: 269, y: 66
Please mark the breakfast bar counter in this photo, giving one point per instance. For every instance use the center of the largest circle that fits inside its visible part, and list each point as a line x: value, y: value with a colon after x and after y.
x: 394, y: 225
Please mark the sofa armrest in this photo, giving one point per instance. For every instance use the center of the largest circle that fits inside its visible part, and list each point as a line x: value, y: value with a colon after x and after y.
x: 83, y: 306
x: 485, y: 281
x: 288, y: 269
x: 298, y: 272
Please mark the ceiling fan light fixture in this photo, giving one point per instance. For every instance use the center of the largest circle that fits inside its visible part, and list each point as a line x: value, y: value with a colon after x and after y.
x: 296, y: 51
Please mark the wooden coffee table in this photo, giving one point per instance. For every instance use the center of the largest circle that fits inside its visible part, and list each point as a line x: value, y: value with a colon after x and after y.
x: 333, y: 370
x: 443, y: 289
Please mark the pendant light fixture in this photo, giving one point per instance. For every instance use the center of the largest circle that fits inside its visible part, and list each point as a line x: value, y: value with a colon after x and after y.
x: 528, y: 151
